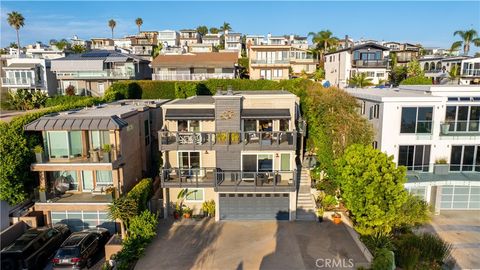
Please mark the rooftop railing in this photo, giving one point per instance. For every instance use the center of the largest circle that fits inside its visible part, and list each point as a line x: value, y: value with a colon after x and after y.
x: 191, y: 76
x: 371, y: 63
x: 106, y: 73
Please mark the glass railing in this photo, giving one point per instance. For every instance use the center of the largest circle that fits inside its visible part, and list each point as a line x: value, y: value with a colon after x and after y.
x: 188, y: 177
x: 18, y: 81
x: 471, y: 72
x: 371, y: 63
x: 66, y: 156
x: 459, y: 127
x: 106, y: 73
x: 270, y: 61
x: 191, y: 76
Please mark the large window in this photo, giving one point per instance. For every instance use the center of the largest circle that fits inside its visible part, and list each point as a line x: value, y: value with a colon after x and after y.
x: 257, y: 162
x: 63, y: 144
x: 463, y: 118
x: 98, y: 138
x: 66, y: 178
x: 285, y: 162
x: 189, y: 160
x: 414, y: 157
x: 465, y: 158
x: 104, y: 178
x: 416, y: 120
x: 194, y: 195
x: 188, y: 125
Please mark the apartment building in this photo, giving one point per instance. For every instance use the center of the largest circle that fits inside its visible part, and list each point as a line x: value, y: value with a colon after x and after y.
x: 438, y: 67
x: 236, y: 148
x: 367, y: 58
x: 91, y: 156
x: 168, y: 38
x: 29, y: 73
x: 470, y: 72
x: 93, y: 72
x: 279, y: 62
x: 434, y: 131
x: 195, y: 66
x: 189, y: 36
x: 41, y: 51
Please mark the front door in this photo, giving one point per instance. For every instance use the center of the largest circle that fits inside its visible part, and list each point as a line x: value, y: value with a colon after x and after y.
x: 87, y: 181
x: 101, y: 89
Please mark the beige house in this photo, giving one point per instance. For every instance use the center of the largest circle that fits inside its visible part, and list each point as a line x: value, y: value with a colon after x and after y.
x: 78, y: 175
x: 235, y: 148
x: 93, y: 72
x: 103, y: 44
x: 189, y: 36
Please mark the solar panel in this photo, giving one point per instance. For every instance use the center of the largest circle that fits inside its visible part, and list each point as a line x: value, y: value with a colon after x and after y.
x: 96, y: 54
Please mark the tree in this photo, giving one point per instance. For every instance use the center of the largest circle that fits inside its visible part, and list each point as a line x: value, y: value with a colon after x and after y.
x: 214, y: 30
x: 454, y: 73
x: 477, y: 54
x: 123, y: 209
x: 112, y: 23
x: 77, y: 48
x: 415, y: 212
x: 16, y: 20
x: 156, y: 50
x: 225, y: 27
x: 202, y: 30
x: 372, y: 188
x: 139, y: 22
x: 323, y: 40
x: 414, y: 69
x: 62, y: 44
x: 397, y: 74
x: 360, y: 80
x: 468, y: 37
x: 319, y: 74
x: 13, y: 45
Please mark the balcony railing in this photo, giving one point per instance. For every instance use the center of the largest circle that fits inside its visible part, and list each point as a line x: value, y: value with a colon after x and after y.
x: 106, y: 73
x: 191, y: 76
x: 15, y: 81
x: 371, y: 63
x: 442, y: 168
x: 270, y: 61
x: 471, y: 72
x: 170, y: 140
x: 92, y: 156
x: 234, y: 180
x: 459, y: 128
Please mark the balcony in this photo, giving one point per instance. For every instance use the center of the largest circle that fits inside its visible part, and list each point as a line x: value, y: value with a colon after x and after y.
x: 471, y: 72
x: 270, y: 62
x: 371, y: 63
x: 95, y: 159
x: 101, y: 74
x: 263, y: 140
x: 229, y: 180
x: 191, y: 76
x: 460, y: 129
x: 19, y: 82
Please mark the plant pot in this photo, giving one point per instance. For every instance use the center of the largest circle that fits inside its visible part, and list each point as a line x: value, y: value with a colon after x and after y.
x: 320, y: 219
x: 176, y: 215
x: 39, y: 157
x: 445, y: 128
x: 337, y: 219
x: 441, y: 169
x: 187, y: 215
x: 106, y: 157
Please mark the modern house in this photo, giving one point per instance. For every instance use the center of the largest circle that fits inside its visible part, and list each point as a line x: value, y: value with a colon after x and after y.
x: 298, y: 42
x: 434, y: 131
x: 233, y: 42
x: 189, y: 36
x: 168, y: 38
x: 91, y: 156
x: 367, y: 58
x: 470, y: 72
x: 236, y: 148
x: 93, y: 72
x: 41, y: 51
x: 195, y: 66
x: 213, y: 39
x: 279, y: 62
x: 75, y: 40
x: 103, y: 44
x: 404, y: 52
x: 438, y: 67
x: 144, y: 43
x: 29, y: 73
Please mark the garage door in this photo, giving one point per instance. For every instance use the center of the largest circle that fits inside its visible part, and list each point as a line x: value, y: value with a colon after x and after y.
x: 254, y: 206
x: 460, y: 197
x: 79, y: 220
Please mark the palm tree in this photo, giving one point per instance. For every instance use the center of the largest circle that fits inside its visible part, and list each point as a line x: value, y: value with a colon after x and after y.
x: 324, y: 40
x: 139, y: 23
x: 16, y: 21
x: 360, y: 80
x: 225, y: 27
x: 468, y: 37
x: 112, y: 23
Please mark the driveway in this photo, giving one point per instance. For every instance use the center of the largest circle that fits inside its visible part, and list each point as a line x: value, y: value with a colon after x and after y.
x: 462, y: 230
x: 251, y: 245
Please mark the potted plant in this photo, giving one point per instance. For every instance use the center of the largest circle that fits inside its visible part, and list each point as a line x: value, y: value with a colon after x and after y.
x: 234, y: 137
x: 177, y: 212
x: 106, y: 149
x: 42, y: 193
x: 440, y: 166
x: 221, y: 137
x: 445, y: 128
x: 187, y: 212
x: 110, y: 190
x: 38, y: 150
x: 337, y: 218
x: 319, y: 214
x: 208, y: 208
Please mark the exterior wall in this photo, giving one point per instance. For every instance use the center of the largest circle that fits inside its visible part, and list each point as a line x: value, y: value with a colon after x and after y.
x: 172, y: 193
x: 299, y: 67
x: 337, y: 68
x: 255, y: 73
x: 225, y: 104
x: 380, y: 73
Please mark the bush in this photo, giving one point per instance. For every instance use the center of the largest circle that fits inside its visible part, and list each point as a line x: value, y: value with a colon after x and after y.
x: 208, y: 207
x: 327, y: 186
x: 383, y: 260
x: 141, y: 193
x: 143, y: 226
x: 377, y: 241
x: 329, y: 202
x: 419, y: 80
x: 25, y: 99
x: 64, y: 100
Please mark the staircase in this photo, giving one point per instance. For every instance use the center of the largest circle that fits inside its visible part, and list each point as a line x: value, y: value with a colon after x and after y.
x: 305, y: 201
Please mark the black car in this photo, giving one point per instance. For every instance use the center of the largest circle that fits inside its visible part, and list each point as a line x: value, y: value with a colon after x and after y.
x: 33, y: 249
x: 79, y: 250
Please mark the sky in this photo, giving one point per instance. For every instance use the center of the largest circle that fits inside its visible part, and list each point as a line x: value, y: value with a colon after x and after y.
x: 430, y: 23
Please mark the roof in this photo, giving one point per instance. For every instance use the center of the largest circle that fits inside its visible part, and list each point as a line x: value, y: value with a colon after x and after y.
x: 176, y: 114
x: 361, y: 46
x: 105, y: 55
x: 212, y: 59
x: 390, y: 94
x: 194, y: 100
x: 21, y: 66
x: 266, y: 113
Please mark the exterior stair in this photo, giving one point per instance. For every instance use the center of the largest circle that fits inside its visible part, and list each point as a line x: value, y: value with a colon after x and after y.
x: 305, y: 200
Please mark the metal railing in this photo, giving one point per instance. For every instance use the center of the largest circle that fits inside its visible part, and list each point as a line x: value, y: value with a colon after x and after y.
x: 209, y: 140
x: 270, y: 61
x: 471, y: 72
x: 445, y: 167
x: 371, y: 63
x: 106, y: 73
x: 90, y: 156
x: 228, y: 179
x: 191, y: 76
x: 459, y: 128
x: 16, y: 81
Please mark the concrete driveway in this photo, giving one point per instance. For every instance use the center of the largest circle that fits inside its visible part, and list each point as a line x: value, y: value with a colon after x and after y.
x: 462, y: 230
x: 251, y: 245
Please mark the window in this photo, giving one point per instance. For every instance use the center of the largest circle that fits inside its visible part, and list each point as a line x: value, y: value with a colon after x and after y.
x: 419, y: 192
x: 375, y: 144
x: 277, y: 73
x: 64, y: 144
x: 104, y: 178
x: 147, y: 132
x: 265, y: 163
x: 380, y: 74
x: 285, y: 162
x: 68, y: 177
x: 465, y: 158
x: 363, y: 107
x: 416, y: 120
x: 188, y: 160
x: 284, y: 124
x: 257, y: 162
x: 414, y: 157
x: 370, y: 74
x: 188, y: 125
x: 98, y: 138
x: 463, y: 118
x: 195, y: 195
x: 250, y: 125
x: 375, y: 111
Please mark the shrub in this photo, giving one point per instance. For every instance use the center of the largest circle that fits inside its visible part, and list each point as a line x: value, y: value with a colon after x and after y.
x: 143, y: 226
x: 64, y: 100
x: 329, y: 202
x: 377, y: 241
x: 327, y: 186
x: 208, y: 207
x: 25, y: 99
x: 419, y: 80
x: 141, y: 193
x: 70, y: 91
x: 383, y: 260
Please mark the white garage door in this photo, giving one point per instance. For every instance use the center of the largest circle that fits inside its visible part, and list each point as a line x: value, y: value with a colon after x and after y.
x: 79, y: 220
x: 460, y: 197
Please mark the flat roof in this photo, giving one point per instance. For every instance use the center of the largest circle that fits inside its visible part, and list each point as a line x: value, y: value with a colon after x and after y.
x: 194, y: 100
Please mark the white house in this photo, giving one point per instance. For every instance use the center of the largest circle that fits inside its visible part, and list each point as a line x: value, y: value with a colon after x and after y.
x: 470, y: 72
x: 435, y: 132
x: 168, y: 38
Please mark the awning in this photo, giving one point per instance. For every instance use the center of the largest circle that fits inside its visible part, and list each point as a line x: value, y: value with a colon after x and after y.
x: 194, y: 114
x: 266, y: 113
x: 71, y: 123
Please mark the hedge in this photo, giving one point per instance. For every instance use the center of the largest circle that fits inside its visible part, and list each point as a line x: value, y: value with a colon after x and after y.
x: 142, y: 192
x: 64, y: 100
x: 418, y: 80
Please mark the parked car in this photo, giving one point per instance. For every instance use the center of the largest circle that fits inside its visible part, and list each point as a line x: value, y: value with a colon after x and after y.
x: 33, y: 249
x: 79, y: 250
